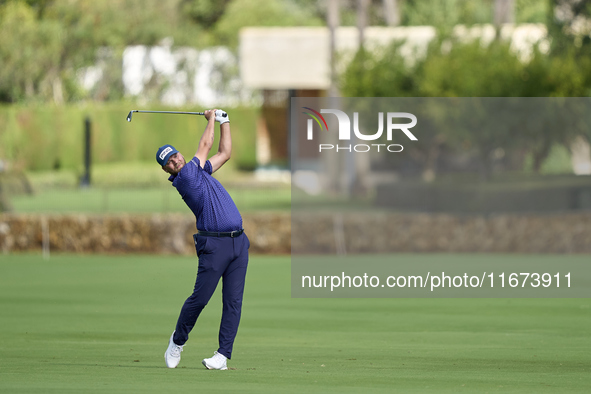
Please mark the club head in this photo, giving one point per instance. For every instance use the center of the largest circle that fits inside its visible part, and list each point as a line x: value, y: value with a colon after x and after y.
x: 129, y: 116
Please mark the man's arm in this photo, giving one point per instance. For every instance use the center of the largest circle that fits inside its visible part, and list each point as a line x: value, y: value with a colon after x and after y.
x: 206, y: 141
x: 225, y: 148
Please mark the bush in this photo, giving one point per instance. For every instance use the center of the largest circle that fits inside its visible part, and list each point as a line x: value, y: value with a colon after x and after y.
x: 48, y: 137
x: 453, y: 68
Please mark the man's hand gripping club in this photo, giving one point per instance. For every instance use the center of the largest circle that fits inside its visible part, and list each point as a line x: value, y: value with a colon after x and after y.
x: 206, y: 141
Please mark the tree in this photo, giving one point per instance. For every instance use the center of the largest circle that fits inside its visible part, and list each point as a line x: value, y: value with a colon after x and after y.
x: 46, y: 42
x: 240, y: 14
x: 459, y: 69
x: 29, y: 48
x: 474, y: 70
x: 204, y: 12
x: 569, y: 22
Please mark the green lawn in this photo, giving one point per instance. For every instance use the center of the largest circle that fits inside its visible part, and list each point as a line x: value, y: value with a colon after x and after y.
x: 147, y: 200
x: 74, y: 324
x: 135, y: 187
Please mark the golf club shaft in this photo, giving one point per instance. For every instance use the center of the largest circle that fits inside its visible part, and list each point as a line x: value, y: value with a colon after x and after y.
x: 166, y: 112
x: 169, y: 112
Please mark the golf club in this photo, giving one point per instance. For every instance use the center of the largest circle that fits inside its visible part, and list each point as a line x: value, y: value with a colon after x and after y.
x: 167, y: 112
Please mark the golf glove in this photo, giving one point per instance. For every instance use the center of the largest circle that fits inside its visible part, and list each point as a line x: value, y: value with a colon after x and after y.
x: 221, y: 116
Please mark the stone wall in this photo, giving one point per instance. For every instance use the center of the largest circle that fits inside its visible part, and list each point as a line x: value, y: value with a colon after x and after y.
x: 441, y: 233
x: 270, y: 233
x: 150, y: 234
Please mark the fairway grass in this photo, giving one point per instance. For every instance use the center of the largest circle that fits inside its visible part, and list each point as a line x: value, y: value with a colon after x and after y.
x: 148, y: 200
x: 101, y: 324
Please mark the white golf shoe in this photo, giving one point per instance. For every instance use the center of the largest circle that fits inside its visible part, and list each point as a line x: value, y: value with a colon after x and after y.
x: 218, y: 361
x: 172, y: 356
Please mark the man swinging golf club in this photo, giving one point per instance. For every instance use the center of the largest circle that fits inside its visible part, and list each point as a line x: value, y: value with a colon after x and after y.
x: 221, y: 245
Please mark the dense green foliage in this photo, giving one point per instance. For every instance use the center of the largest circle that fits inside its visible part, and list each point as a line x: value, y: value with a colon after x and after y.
x: 204, y: 12
x: 100, y: 324
x: 453, y: 68
x: 447, y: 13
x: 46, y: 42
x: 266, y: 13
x: 456, y: 68
x: 42, y: 138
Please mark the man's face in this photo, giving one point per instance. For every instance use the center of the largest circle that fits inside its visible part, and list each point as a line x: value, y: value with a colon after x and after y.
x: 175, y: 163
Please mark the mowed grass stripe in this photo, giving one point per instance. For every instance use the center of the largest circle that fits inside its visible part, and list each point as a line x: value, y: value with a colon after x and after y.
x: 101, y: 324
x: 147, y: 200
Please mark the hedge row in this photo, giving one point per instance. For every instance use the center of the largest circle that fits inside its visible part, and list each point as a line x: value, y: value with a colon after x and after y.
x: 46, y: 137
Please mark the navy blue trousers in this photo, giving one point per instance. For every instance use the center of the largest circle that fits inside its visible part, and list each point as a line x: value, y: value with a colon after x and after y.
x: 225, y: 258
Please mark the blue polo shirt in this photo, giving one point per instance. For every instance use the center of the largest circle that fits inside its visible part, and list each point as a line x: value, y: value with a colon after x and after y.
x: 206, y: 197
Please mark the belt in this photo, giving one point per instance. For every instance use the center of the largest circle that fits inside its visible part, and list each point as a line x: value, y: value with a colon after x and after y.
x: 231, y: 234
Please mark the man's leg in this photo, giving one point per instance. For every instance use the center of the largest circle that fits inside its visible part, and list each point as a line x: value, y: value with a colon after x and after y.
x: 213, y: 260
x: 232, y: 292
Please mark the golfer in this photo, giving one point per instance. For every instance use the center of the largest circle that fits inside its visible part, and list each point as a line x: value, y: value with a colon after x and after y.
x: 222, y: 246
